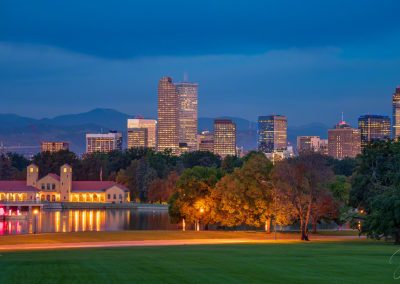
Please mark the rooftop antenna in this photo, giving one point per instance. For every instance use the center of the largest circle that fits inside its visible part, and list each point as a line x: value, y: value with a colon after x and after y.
x: 342, y: 116
x: 185, y: 76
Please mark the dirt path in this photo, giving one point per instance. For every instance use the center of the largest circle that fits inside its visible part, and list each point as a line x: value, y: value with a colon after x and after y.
x: 108, y: 244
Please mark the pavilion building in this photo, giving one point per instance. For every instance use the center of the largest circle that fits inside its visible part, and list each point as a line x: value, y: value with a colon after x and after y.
x: 61, y: 188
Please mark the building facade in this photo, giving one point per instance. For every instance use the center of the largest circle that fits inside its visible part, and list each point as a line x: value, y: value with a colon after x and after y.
x: 103, y: 142
x: 188, y: 104
x: 168, y: 116
x: 141, y: 123
x: 272, y: 133
x: 224, y: 137
x: 206, y: 141
x: 61, y: 188
x: 307, y: 144
x: 53, y: 146
x: 138, y: 138
x: 396, y: 113
x: 344, y: 141
x: 323, y: 147
x: 373, y: 128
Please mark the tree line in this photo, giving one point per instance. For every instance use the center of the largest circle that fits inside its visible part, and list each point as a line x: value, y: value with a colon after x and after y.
x: 150, y: 175
x: 303, y: 190
x: 200, y: 186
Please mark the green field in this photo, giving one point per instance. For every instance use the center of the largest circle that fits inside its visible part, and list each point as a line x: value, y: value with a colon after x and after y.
x: 314, y: 262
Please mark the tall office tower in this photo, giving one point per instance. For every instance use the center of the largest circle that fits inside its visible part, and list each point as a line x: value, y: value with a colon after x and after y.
x: 307, y: 144
x: 103, y: 142
x: 206, y: 141
x: 187, y: 93
x: 138, y: 138
x: 396, y: 113
x: 224, y: 137
x: 140, y: 123
x: 168, y: 116
x: 52, y: 146
x: 373, y: 127
x: 344, y: 141
x: 272, y: 133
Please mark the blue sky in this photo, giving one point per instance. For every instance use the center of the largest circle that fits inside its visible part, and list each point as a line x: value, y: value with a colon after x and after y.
x: 309, y: 60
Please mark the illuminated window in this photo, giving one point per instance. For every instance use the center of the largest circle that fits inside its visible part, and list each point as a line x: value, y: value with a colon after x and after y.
x: 31, y: 170
x: 65, y: 170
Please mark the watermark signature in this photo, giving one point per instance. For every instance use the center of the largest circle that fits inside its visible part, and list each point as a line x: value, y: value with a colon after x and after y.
x: 396, y: 273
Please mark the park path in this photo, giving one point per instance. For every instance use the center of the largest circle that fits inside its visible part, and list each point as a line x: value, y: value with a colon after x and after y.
x: 149, y: 243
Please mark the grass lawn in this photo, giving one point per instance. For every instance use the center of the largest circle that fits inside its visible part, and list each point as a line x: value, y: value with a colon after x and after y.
x: 145, y: 235
x: 314, y: 262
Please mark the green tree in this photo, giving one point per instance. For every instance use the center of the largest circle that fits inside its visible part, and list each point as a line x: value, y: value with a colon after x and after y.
x: 377, y: 171
x: 51, y: 162
x: 191, y: 199
x: 384, y: 217
x: 230, y: 163
x: 246, y: 195
x: 200, y: 158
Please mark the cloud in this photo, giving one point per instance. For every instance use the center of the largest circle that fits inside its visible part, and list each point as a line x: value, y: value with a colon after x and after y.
x: 308, y: 85
x: 131, y: 29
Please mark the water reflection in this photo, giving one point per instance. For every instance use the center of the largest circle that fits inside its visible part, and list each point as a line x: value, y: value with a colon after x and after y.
x: 88, y: 220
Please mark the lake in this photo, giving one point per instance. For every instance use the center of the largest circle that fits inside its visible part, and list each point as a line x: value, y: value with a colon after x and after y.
x: 81, y: 220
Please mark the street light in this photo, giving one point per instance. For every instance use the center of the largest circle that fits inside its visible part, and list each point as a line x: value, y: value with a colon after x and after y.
x: 35, y: 214
x: 201, y: 210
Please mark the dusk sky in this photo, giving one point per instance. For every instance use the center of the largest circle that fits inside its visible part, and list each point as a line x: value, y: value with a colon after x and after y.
x: 309, y: 60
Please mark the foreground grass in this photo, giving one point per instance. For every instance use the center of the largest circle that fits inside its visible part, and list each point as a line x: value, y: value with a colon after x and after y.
x: 314, y: 262
x: 144, y: 235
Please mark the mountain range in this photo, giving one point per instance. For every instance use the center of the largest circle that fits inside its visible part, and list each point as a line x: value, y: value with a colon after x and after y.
x: 24, y: 131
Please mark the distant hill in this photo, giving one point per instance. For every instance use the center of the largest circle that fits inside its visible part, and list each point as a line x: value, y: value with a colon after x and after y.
x: 18, y: 130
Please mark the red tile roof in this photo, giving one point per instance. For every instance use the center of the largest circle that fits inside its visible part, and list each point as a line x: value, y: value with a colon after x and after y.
x: 16, y: 186
x: 84, y: 186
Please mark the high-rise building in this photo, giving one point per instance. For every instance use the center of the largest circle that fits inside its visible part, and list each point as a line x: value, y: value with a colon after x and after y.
x: 344, y: 141
x: 103, y: 142
x: 224, y: 137
x: 52, y: 146
x: 272, y: 133
x: 168, y: 116
x: 373, y: 127
x: 396, y: 113
x: 138, y: 138
x: 187, y: 93
x: 323, y: 147
x: 139, y: 123
x: 206, y: 141
x: 307, y: 144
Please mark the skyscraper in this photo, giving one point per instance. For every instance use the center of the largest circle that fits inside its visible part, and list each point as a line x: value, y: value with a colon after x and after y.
x: 187, y: 93
x: 138, y: 138
x: 168, y: 116
x: 373, y: 127
x: 103, y: 142
x: 140, y: 123
x: 224, y: 137
x: 396, y: 113
x: 272, y: 133
x: 344, y: 141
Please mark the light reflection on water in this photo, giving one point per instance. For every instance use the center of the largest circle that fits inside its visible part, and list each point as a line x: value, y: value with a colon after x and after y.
x: 81, y: 220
